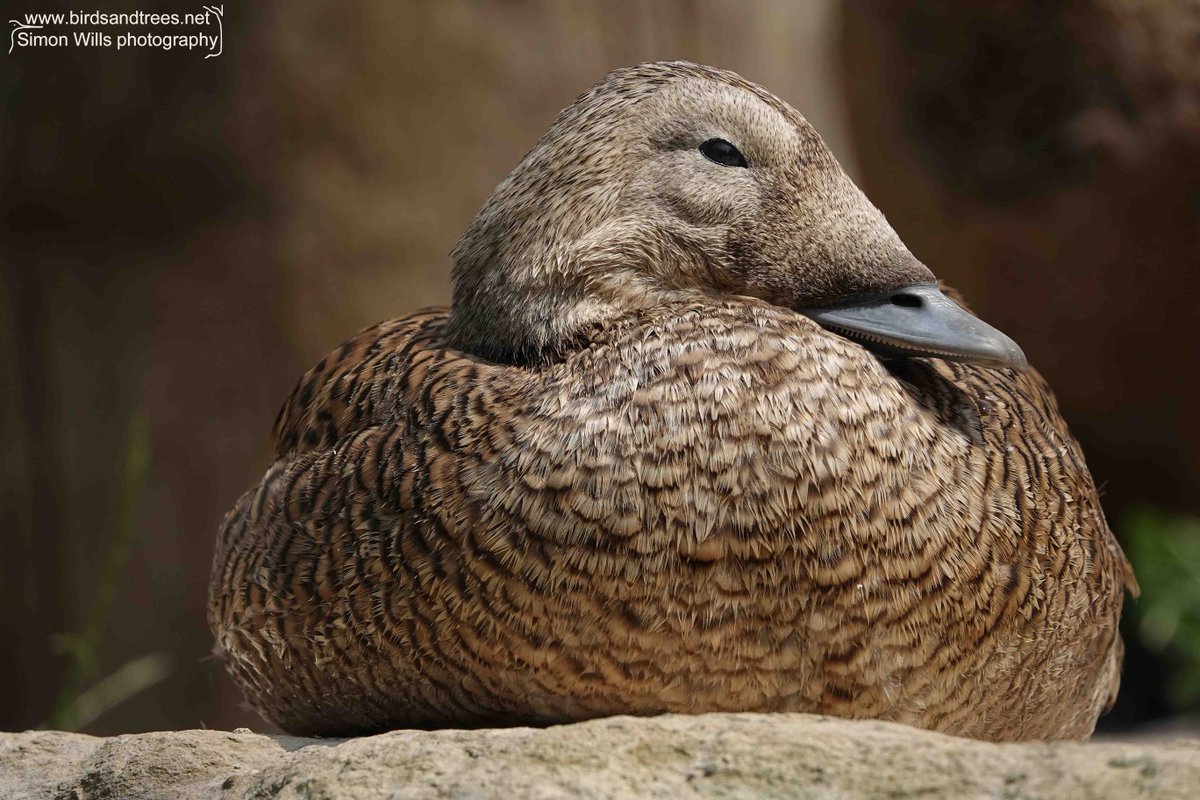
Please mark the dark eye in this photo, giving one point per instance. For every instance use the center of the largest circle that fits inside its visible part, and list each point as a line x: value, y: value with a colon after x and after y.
x: 723, y: 152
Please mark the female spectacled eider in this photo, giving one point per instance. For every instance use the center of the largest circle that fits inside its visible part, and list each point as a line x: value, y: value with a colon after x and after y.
x: 698, y: 434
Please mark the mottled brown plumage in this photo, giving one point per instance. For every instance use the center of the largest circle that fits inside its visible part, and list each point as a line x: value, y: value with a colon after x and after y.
x: 623, y: 475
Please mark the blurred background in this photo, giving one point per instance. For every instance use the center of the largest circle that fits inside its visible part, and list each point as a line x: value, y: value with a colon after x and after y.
x: 181, y: 238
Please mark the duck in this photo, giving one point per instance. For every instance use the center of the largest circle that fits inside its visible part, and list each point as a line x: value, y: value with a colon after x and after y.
x: 697, y: 433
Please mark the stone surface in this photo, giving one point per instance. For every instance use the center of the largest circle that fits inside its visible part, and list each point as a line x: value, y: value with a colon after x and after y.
x: 716, y: 755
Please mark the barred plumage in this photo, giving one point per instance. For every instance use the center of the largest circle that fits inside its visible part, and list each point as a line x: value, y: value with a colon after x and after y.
x: 669, y: 497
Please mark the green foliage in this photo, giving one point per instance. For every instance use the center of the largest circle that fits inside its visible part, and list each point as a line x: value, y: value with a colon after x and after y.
x: 1165, y: 552
x: 77, y: 706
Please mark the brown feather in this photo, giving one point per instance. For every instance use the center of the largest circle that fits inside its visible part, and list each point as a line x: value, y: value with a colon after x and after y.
x: 678, y: 499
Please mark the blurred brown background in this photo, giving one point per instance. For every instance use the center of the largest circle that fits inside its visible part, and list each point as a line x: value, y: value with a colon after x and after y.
x: 180, y: 238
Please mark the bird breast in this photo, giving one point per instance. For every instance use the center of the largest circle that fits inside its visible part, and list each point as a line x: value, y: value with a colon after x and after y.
x: 711, y: 506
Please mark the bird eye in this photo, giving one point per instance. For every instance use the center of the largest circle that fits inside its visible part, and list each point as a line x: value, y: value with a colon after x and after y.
x: 723, y: 152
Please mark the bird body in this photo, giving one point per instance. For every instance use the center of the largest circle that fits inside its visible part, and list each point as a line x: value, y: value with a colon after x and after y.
x: 677, y: 496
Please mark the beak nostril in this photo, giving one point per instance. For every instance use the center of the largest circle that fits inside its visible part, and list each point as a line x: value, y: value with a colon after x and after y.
x: 918, y: 321
x: 906, y: 300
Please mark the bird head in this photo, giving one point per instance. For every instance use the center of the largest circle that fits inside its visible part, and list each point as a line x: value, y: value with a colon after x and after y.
x: 670, y: 179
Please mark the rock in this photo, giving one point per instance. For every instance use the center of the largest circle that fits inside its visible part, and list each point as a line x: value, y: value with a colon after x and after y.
x: 714, y: 755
